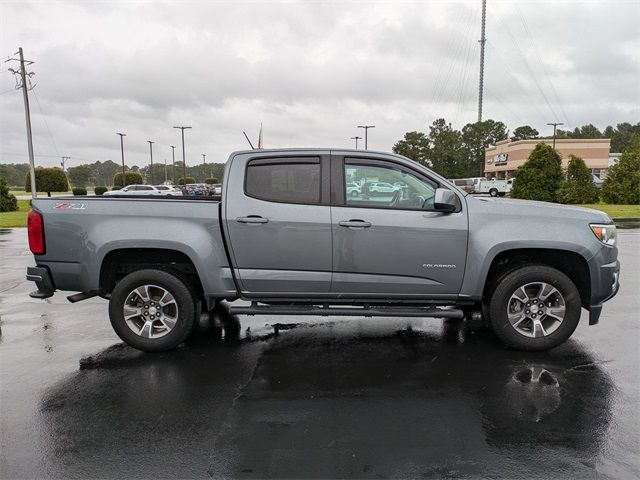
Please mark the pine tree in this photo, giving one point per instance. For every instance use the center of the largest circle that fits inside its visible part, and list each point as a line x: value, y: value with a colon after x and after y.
x: 541, y: 175
x: 579, y: 187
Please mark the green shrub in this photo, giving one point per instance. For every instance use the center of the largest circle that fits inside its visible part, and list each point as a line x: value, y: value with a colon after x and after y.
x: 100, y: 190
x: 115, y: 187
x: 579, y: 187
x: 48, y: 180
x: 8, y: 201
x: 130, y: 178
x: 184, y: 181
x: 79, y: 191
x: 541, y: 175
x: 211, y: 181
x: 622, y: 185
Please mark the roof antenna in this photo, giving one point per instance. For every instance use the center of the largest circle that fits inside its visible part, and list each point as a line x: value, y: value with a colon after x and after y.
x: 245, y: 136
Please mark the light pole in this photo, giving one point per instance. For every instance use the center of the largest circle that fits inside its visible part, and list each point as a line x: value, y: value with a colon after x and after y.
x: 366, y: 131
x: 151, y: 153
x: 165, y: 171
x: 554, y: 132
x: 124, y: 181
x: 356, y: 138
x: 184, y: 161
x: 173, y: 159
x: 64, y: 160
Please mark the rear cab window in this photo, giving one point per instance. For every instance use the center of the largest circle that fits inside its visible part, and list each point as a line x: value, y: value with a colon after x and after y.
x: 285, y: 180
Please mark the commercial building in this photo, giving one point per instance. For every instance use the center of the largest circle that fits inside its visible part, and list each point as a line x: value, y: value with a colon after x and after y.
x: 503, y: 159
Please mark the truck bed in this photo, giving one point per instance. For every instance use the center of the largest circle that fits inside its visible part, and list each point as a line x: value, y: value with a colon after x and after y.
x: 80, y: 231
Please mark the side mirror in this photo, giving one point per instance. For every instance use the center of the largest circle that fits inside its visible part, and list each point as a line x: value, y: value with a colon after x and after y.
x: 444, y: 200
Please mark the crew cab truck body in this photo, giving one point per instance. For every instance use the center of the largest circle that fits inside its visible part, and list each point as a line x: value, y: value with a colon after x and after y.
x: 286, y: 236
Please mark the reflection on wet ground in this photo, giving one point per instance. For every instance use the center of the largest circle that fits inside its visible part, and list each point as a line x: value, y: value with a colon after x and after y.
x: 331, y: 400
x: 311, y: 397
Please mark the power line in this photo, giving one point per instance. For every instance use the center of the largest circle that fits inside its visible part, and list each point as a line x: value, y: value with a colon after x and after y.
x: 541, y: 63
x: 55, y: 147
x: 530, y: 70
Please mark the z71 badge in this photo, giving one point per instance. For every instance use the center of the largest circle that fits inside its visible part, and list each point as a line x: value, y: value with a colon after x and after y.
x: 71, y: 206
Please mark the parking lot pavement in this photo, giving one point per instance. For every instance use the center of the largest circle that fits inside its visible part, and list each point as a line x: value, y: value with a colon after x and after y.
x: 328, y: 398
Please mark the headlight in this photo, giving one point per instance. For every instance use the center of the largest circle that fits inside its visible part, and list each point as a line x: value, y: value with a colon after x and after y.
x: 607, y: 234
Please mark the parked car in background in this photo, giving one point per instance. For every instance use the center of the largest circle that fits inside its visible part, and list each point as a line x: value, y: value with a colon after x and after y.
x: 465, y: 184
x: 169, y: 190
x: 353, y: 189
x: 135, y: 190
x: 382, y: 187
x: 597, y: 180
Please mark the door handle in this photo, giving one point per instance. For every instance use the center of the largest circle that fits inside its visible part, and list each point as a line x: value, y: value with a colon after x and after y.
x: 253, y: 219
x: 354, y: 223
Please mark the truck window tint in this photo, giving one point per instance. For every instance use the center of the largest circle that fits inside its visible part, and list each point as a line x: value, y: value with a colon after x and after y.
x: 386, y: 187
x: 284, y: 182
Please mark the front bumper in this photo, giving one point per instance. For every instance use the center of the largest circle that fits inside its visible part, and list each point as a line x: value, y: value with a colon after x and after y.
x: 44, y: 282
x: 606, y: 288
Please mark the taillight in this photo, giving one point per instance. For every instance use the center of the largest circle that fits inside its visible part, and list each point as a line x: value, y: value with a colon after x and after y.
x: 35, y: 230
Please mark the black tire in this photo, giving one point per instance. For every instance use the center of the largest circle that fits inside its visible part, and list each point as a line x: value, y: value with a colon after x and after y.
x: 498, y: 302
x: 493, y: 192
x: 184, y: 301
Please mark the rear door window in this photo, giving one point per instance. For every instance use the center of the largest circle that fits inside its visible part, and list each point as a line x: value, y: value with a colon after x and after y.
x: 287, y: 180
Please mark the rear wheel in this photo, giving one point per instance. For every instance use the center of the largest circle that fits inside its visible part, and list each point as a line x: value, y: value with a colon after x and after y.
x: 152, y: 310
x: 534, y: 308
x: 493, y: 192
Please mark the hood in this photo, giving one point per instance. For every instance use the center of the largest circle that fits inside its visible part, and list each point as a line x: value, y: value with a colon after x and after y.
x: 531, y: 208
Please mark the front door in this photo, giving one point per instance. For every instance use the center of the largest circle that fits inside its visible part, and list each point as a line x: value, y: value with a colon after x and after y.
x: 393, y: 243
x: 278, y: 222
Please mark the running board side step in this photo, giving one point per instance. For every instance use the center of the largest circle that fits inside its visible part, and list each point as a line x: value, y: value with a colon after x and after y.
x: 326, y: 311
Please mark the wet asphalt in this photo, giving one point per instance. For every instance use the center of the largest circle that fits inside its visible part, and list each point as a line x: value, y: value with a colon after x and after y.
x: 367, y: 398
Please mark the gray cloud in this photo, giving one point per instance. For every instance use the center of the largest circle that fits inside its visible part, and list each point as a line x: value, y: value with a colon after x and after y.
x: 309, y: 71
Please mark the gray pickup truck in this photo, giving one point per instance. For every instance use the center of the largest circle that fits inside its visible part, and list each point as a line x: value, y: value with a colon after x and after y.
x: 299, y: 232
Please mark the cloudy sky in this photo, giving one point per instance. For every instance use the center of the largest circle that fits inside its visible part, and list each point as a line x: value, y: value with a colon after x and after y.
x: 309, y: 71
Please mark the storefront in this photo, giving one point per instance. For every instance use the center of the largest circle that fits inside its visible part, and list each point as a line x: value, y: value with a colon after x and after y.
x: 503, y: 159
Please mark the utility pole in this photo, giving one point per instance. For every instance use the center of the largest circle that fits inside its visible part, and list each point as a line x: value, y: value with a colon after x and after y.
x: 554, y: 132
x: 22, y: 83
x: 151, y: 153
x: 482, y: 41
x: 356, y: 138
x: 165, y: 171
x: 184, y: 161
x: 366, y: 136
x: 173, y: 157
x: 124, y: 180
x: 64, y: 160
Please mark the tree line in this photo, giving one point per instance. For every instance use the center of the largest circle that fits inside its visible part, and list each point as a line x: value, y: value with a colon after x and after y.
x: 104, y: 173
x: 460, y: 153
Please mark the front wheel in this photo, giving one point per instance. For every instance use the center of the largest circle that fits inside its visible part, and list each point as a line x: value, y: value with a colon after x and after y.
x: 534, y: 308
x: 152, y: 310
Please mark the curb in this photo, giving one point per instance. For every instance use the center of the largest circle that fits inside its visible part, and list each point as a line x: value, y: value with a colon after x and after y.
x: 627, y: 222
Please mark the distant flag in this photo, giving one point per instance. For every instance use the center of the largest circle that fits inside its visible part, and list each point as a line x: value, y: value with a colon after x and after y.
x: 260, y: 137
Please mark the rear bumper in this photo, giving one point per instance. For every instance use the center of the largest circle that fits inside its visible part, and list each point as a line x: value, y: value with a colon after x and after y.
x: 42, y: 277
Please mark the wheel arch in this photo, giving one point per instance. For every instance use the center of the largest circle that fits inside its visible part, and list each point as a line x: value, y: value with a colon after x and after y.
x: 120, y: 262
x: 571, y: 263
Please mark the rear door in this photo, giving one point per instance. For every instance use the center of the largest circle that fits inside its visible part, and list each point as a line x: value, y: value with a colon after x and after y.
x: 278, y: 222
x: 394, y: 244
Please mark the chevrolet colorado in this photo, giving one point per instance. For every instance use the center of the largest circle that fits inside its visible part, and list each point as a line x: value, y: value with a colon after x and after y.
x: 289, y: 237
